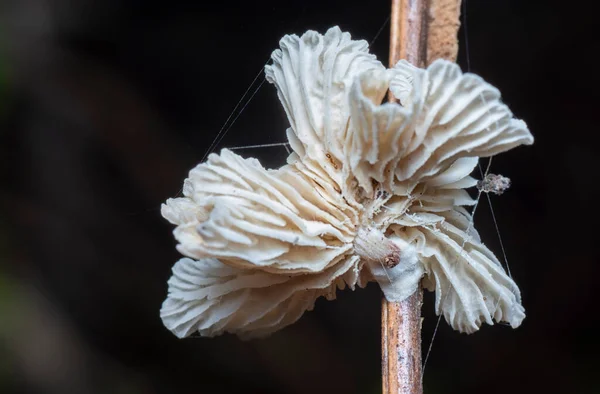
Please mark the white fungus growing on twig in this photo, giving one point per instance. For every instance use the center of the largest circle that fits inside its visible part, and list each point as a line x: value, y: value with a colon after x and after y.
x: 371, y: 192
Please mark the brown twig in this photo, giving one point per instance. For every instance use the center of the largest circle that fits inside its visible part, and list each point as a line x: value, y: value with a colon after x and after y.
x: 408, y: 39
x: 401, y: 345
x: 421, y: 31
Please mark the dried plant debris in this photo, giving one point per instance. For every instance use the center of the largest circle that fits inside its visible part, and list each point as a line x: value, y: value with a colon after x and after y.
x: 493, y: 183
x: 371, y: 192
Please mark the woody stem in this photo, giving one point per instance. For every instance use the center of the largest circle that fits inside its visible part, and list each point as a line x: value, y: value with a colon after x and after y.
x: 421, y: 31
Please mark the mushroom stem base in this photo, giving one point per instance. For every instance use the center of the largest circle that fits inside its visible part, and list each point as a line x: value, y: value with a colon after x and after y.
x: 372, y: 245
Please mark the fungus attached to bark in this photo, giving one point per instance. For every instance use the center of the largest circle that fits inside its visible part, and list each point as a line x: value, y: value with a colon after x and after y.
x: 372, y: 191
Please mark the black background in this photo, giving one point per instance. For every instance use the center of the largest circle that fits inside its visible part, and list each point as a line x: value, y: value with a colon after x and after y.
x: 105, y: 106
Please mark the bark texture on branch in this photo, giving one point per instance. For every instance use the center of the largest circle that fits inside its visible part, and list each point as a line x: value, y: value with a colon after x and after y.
x: 401, y: 345
x: 421, y: 31
x: 442, y: 30
x: 424, y: 30
x: 408, y: 38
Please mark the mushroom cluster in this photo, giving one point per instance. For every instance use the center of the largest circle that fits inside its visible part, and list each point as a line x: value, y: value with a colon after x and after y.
x: 372, y: 191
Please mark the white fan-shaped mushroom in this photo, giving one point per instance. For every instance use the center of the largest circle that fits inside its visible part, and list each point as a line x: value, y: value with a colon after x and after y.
x: 461, y: 115
x: 313, y: 75
x: 247, y: 216
x: 372, y: 192
x: 444, y: 115
x: 470, y: 284
x: 211, y: 298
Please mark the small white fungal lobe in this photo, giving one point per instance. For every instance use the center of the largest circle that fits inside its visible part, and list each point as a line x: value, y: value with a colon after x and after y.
x: 371, y: 192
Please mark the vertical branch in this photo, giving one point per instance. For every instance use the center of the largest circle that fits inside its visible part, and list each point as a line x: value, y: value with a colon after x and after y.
x: 401, y: 321
x: 401, y: 345
x: 442, y: 30
x: 408, y: 36
x: 421, y: 31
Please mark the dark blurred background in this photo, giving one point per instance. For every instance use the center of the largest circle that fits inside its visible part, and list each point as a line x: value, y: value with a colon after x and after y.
x: 105, y: 106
